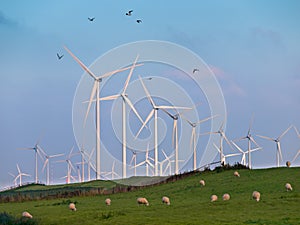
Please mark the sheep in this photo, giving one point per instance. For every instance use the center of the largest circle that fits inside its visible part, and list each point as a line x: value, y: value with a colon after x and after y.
x: 107, y: 201
x: 288, y: 163
x: 236, y: 174
x: 142, y: 201
x: 27, y: 215
x: 226, y: 197
x: 166, y: 200
x: 202, y: 182
x: 256, y: 195
x: 288, y: 187
x: 213, y: 198
x: 72, y: 207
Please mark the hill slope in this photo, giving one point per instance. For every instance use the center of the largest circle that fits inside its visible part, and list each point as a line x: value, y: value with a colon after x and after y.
x: 190, y: 203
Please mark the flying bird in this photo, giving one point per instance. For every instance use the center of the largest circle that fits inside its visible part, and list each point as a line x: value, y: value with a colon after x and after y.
x: 129, y: 13
x: 91, y: 19
x: 195, y: 70
x: 59, y: 56
x: 138, y: 21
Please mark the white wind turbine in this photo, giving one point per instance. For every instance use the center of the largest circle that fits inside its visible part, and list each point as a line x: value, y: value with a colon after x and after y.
x: 154, y: 110
x: 221, y: 132
x: 14, y: 176
x: 89, y: 163
x: 37, y: 149
x: 96, y: 92
x: 169, y: 162
x: 113, y: 172
x: 193, y: 144
x: 250, y: 139
x: 47, y: 163
x: 277, y: 141
x: 223, y: 156
x: 20, y: 174
x: 125, y: 100
x: 146, y: 162
x: 70, y: 166
x: 243, y: 161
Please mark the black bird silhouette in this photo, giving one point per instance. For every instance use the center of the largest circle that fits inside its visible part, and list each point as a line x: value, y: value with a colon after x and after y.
x: 195, y: 70
x: 59, y: 56
x: 149, y: 78
x: 129, y: 13
x: 138, y: 21
x: 91, y: 19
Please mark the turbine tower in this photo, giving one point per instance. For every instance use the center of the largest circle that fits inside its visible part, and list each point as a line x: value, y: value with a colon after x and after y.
x: 243, y: 161
x: 125, y: 100
x: 277, y: 141
x: 223, y: 156
x: 47, y: 163
x: 169, y: 161
x: 96, y: 91
x: 146, y: 162
x: 154, y: 110
x: 250, y: 139
x: 70, y: 166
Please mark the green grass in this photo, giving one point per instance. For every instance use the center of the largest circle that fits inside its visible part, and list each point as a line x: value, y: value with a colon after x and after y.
x: 190, y: 203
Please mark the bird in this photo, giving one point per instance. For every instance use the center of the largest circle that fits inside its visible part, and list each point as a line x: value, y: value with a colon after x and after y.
x: 91, y: 19
x: 59, y: 56
x: 149, y: 78
x: 129, y: 13
x: 138, y: 21
x: 195, y: 70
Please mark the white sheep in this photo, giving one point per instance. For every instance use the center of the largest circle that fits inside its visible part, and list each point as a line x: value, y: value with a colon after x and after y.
x: 226, y: 197
x: 236, y: 174
x: 256, y: 195
x: 72, y: 207
x: 27, y: 215
x: 142, y: 201
x: 166, y: 200
x: 107, y: 201
x: 288, y: 187
x: 213, y: 198
x: 202, y: 182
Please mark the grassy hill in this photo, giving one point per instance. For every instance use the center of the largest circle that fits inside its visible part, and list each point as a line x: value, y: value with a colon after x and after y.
x: 190, y: 203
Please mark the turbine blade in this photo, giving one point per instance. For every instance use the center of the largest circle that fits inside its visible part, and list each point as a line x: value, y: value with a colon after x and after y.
x: 171, y: 107
x: 144, y: 124
x: 90, y: 101
x: 265, y: 137
x: 252, y: 139
x: 238, y: 148
x: 45, y: 163
x: 206, y: 119
x: 217, y: 148
x: 284, y: 132
x: 108, y: 98
x: 298, y: 134
x: 129, y: 76
x: 295, y: 157
x: 133, y: 109
x: 147, y: 93
x: 118, y: 70
x: 81, y: 64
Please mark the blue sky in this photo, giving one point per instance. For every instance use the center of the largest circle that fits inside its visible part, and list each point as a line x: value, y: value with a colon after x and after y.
x: 252, y: 47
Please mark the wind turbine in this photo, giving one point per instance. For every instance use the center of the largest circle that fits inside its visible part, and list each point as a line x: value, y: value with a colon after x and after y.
x: 20, y: 174
x: 193, y: 144
x: 223, y: 156
x: 296, y: 156
x: 243, y: 161
x: 250, y: 139
x: 277, y: 141
x: 14, y: 176
x: 47, y: 163
x: 70, y: 166
x: 221, y: 132
x: 125, y: 100
x: 89, y: 162
x: 169, y: 161
x: 154, y: 110
x: 146, y: 162
x: 96, y: 91
x: 112, y: 173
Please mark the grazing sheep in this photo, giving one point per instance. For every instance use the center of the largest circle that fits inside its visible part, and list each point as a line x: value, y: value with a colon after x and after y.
x: 288, y: 187
x: 202, y: 182
x: 256, y: 195
x: 236, y: 174
x: 142, y: 201
x: 27, y: 215
x: 226, y: 197
x: 166, y: 200
x: 213, y: 198
x: 72, y: 207
x: 288, y: 163
x: 107, y: 201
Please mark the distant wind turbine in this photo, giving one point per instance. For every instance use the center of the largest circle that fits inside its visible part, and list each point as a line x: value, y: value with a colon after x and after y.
x: 96, y: 92
x: 277, y: 141
x: 223, y: 156
x: 47, y: 163
x: 154, y: 110
x: 250, y: 139
x: 243, y: 161
x: 70, y: 166
x: 20, y: 174
x: 146, y: 162
x: 168, y: 161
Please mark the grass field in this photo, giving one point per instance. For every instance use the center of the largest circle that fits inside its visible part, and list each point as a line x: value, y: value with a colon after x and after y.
x: 190, y: 203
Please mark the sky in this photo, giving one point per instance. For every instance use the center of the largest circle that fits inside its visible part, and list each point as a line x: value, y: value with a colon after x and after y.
x: 252, y: 47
